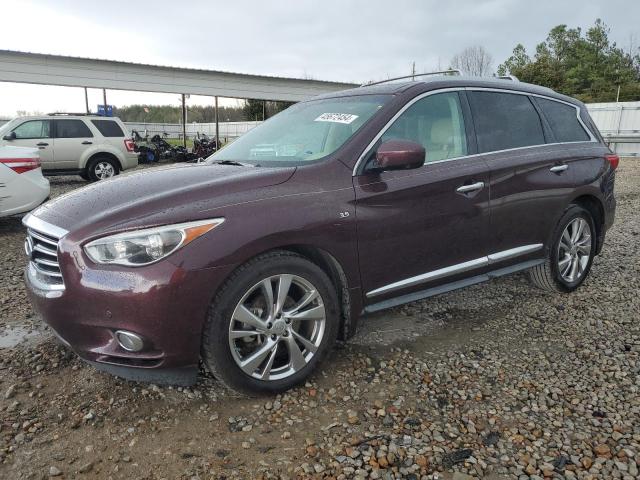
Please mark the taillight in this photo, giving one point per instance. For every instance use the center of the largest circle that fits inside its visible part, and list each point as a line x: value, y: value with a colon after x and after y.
x: 129, y: 144
x: 614, y: 160
x: 21, y: 165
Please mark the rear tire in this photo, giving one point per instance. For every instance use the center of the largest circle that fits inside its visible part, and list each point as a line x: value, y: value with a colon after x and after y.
x: 253, y: 342
x: 570, y: 257
x: 102, y: 168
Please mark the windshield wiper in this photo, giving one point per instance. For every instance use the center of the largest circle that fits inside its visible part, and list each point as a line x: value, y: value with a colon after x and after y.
x: 232, y: 162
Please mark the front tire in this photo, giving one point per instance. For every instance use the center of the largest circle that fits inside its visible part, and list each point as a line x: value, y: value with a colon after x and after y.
x: 270, y: 324
x: 571, y: 254
x: 102, y: 168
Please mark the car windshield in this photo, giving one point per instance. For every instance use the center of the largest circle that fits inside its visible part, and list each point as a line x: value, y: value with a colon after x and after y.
x: 302, y: 133
x: 4, y: 129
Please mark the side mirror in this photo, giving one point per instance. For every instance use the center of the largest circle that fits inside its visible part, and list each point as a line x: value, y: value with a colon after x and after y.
x: 400, y: 155
x: 11, y: 136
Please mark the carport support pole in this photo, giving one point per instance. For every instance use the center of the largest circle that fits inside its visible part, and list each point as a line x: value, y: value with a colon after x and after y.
x: 184, y: 122
x: 104, y: 99
x: 217, y: 123
x: 86, y: 100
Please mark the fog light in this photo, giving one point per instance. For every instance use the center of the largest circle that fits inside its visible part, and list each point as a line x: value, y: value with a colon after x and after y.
x: 129, y: 341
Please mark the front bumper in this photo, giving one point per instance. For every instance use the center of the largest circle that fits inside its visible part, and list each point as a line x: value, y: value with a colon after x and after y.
x: 164, y: 304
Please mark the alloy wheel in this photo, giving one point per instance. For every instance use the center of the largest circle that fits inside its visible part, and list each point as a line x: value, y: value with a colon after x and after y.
x: 574, y: 250
x: 104, y: 170
x: 277, y: 327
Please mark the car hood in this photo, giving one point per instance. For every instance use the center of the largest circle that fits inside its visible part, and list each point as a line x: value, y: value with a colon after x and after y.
x: 158, y: 196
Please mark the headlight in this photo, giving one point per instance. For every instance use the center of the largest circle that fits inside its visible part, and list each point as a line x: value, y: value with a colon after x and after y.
x: 142, y: 247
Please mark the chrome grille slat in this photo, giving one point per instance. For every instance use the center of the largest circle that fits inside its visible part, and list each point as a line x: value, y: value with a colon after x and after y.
x: 48, y: 263
x: 42, y: 247
x: 47, y: 272
x: 46, y: 251
x: 42, y: 238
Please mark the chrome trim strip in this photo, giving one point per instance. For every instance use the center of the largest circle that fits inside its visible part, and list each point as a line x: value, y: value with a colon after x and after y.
x: 457, y: 268
x: 433, y: 275
x: 366, y: 151
x: 513, y: 252
x: 40, y: 225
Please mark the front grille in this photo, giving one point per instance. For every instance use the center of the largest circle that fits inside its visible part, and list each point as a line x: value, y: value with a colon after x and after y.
x: 42, y: 250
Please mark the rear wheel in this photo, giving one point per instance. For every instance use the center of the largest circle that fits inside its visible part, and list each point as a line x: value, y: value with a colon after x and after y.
x: 571, y: 253
x: 271, y: 323
x: 101, y: 168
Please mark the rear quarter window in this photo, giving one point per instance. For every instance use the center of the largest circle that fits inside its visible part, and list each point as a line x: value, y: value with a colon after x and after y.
x: 563, y: 121
x: 108, y: 128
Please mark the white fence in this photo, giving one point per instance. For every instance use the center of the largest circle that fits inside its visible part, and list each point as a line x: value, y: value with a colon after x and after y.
x: 619, y: 124
x: 228, y: 130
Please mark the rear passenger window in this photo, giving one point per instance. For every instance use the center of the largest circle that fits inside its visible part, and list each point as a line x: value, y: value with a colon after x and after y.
x: 72, y: 129
x: 563, y: 121
x: 108, y: 128
x: 436, y: 123
x: 505, y: 120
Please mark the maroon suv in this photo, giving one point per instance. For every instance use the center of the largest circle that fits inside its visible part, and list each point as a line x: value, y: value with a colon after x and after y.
x: 258, y: 259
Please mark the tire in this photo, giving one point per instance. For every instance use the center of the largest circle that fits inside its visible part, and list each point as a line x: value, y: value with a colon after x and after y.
x: 568, y: 262
x: 101, y: 168
x: 84, y: 175
x: 271, y: 363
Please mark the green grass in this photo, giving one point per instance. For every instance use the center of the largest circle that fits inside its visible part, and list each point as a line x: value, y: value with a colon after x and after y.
x: 177, y: 142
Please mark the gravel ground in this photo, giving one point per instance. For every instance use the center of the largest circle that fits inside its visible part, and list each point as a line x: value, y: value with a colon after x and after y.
x: 496, y: 381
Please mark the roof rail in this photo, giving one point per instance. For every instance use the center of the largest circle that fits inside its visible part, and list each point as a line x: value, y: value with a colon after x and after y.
x: 68, y: 114
x: 513, y: 78
x: 441, y: 72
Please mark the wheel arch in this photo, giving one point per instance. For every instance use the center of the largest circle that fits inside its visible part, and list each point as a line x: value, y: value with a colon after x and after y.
x: 103, y: 154
x: 332, y: 267
x: 595, y: 207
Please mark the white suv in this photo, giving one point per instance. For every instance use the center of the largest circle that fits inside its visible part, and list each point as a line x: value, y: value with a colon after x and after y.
x: 91, y: 146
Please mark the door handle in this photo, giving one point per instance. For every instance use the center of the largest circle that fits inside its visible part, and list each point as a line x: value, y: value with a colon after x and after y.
x: 558, y: 168
x: 42, y: 144
x: 470, y: 188
x: 87, y: 142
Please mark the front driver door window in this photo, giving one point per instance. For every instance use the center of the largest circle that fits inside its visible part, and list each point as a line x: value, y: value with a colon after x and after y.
x: 36, y: 134
x: 412, y: 223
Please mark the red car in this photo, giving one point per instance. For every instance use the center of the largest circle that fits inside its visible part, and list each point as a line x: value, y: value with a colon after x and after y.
x: 258, y: 259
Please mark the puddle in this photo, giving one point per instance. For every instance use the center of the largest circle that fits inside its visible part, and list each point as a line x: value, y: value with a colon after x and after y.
x: 13, y: 335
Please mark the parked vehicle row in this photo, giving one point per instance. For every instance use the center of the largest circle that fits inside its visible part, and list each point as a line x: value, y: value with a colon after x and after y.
x: 91, y: 146
x: 157, y: 148
x: 258, y: 259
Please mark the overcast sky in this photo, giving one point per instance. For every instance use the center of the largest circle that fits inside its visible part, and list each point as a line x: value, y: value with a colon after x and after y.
x: 339, y: 40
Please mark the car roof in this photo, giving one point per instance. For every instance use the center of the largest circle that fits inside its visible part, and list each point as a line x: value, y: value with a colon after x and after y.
x: 449, y: 81
x: 51, y: 116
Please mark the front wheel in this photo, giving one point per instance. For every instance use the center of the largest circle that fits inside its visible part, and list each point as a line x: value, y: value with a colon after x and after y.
x: 571, y: 255
x: 270, y: 324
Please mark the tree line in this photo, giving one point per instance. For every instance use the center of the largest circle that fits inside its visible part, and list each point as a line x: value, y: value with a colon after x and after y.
x: 250, y: 111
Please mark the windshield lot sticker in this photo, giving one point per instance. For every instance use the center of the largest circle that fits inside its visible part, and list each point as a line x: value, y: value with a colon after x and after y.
x: 336, y: 117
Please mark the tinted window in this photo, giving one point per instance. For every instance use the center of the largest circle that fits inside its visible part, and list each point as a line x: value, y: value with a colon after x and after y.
x: 563, y: 120
x: 33, y: 129
x: 505, y: 120
x: 108, y: 128
x: 72, y: 129
x: 435, y: 122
